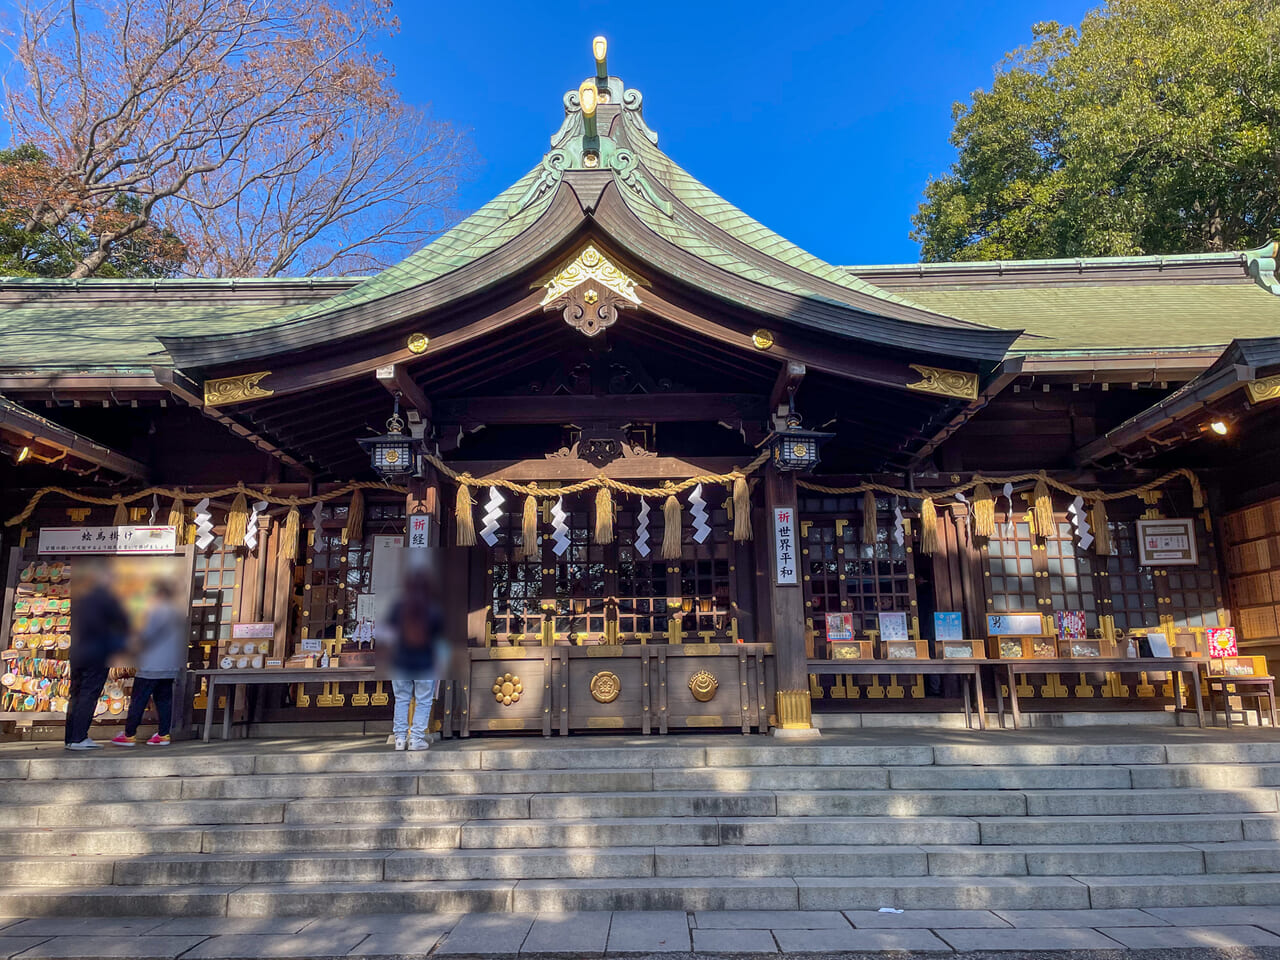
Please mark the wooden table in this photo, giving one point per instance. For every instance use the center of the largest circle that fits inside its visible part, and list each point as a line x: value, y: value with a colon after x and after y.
x: 1267, y: 687
x: 969, y: 671
x: 236, y: 679
x: 1175, y: 665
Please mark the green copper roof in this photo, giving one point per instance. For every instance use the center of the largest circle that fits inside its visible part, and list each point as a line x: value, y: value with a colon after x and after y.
x: 1117, y: 316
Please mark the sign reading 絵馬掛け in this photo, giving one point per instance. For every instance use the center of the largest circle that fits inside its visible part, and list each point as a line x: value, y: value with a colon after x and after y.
x: 784, y: 546
x: 1167, y: 543
x: 108, y: 540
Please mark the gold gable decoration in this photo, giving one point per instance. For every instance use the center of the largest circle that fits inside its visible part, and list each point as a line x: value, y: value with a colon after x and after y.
x: 589, y: 290
x: 945, y: 383
x: 1262, y: 390
x: 245, y: 386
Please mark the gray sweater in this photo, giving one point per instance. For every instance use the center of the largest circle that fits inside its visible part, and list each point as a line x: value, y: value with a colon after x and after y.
x: 163, y: 644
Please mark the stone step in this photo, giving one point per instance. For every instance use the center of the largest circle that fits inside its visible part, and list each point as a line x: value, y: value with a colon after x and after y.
x: 169, y: 813
x: 333, y: 865
x: 1192, y: 828
x: 1209, y: 776
x: 384, y: 809
x: 595, y: 832
x: 1141, y: 803
x: 1065, y: 777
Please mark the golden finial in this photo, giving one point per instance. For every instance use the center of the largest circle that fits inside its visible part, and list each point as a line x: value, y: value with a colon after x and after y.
x: 600, y: 48
x: 587, y: 96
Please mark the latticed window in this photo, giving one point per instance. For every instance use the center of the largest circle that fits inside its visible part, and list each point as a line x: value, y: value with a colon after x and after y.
x: 642, y: 581
x: 213, y: 593
x: 516, y: 581
x: 1193, y: 591
x: 1070, y: 575
x: 1011, y: 581
x: 704, y: 574
x: 844, y: 575
x: 337, y: 572
x: 1134, y: 600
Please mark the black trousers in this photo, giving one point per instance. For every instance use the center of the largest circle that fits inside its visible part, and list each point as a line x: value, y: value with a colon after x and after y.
x: 86, y: 688
x: 144, y: 689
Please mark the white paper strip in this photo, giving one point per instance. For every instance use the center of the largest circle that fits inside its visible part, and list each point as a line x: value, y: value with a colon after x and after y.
x: 559, y: 529
x: 899, y: 528
x: 155, y: 508
x: 204, y: 525
x: 698, y: 512
x: 642, y: 528
x: 1080, y: 523
x: 1008, y: 523
x: 251, y: 525
x: 492, y: 516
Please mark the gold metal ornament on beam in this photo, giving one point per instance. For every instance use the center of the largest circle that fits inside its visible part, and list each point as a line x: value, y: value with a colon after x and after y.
x: 246, y: 386
x: 703, y: 685
x: 945, y: 383
x: 762, y: 339
x: 1262, y: 390
x: 605, y: 686
x: 417, y: 342
x: 507, y: 689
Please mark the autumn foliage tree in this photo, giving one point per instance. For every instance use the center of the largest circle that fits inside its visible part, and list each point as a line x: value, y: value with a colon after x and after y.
x: 266, y: 134
x: 1153, y: 128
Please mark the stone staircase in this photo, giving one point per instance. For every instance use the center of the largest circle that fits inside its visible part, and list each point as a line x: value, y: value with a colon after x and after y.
x: 242, y: 830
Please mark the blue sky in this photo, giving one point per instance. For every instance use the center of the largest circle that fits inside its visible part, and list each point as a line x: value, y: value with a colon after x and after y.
x: 822, y: 121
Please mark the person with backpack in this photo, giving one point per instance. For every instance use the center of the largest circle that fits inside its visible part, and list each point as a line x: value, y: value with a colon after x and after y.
x: 415, y: 628
x: 99, y: 630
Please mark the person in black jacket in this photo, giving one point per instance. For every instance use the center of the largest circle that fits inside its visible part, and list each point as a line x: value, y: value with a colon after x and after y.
x: 99, y: 629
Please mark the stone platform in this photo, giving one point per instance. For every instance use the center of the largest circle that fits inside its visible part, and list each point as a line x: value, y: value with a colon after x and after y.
x: 1104, y: 818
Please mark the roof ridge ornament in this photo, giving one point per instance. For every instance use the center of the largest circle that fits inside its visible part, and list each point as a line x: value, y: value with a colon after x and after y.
x: 1261, y: 265
x: 589, y: 290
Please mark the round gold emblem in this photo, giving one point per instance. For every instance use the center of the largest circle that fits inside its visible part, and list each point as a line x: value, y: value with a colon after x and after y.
x: 392, y: 455
x: 605, y: 687
x: 418, y: 342
x: 799, y: 451
x: 507, y: 689
x: 703, y: 686
x: 762, y: 339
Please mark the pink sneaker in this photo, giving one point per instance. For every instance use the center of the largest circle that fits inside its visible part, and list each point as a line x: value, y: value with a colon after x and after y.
x: 122, y: 739
x: 158, y: 741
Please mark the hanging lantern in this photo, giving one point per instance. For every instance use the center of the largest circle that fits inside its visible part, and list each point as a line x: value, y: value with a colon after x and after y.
x: 391, y: 454
x: 792, y: 447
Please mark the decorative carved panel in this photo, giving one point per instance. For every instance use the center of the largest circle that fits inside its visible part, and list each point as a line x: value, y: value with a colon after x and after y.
x: 945, y: 383
x: 235, y: 389
x: 590, y: 291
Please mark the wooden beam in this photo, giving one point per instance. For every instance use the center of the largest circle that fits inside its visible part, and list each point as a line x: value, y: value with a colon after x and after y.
x: 395, y: 377
x: 789, y: 379
x: 620, y: 408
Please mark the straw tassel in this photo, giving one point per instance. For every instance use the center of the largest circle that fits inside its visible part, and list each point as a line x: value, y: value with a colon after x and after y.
x: 672, y: 522
x: 1101, y: 532
x: 178, y: 519
x: 462, y: 513
x: 869, y: 524
x: 604, y: 515
x: 355, y: 518
x: 741, y: 509
x: 237, y: 522
x: 984, y: 511
x: 1197, y: 494
x: 121, y: 517
x: 529, y: 528
x: 928, y: 526
x: 289, y: 534
x: 1043, y: 508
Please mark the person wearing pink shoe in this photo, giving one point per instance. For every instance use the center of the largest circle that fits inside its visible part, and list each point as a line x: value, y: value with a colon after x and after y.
x: 162, y: 648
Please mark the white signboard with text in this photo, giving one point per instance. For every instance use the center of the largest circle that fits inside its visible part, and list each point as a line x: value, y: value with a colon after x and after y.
x: 110, y: 540
x: 784, y: 546
x: 1166, y: 543
x: 419, y: 526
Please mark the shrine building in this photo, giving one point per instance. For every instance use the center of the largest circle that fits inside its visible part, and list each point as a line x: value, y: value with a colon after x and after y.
x: 699, y: 478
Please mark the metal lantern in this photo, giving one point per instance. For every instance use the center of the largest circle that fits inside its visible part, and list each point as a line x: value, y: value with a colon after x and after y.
x: 391, y: 454
x: 793, y: 448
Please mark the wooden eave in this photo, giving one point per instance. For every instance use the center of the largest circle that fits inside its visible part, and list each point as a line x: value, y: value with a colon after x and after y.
x: 30, y: 428
x: 1175, y: 419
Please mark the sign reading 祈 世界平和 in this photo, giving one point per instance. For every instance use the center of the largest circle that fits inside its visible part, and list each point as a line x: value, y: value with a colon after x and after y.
x: 784, y: 545
x: 107, y: 540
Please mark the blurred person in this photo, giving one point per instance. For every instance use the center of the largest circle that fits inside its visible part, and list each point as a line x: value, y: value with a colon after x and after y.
x: 162, y: 653
x: 99, y: 631
x: 415, y: 629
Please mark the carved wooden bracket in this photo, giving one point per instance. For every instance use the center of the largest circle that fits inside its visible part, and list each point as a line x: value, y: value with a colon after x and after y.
x: 590, y: 290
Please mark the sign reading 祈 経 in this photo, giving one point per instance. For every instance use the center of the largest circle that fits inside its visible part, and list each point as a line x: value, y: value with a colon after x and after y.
x: 108, y: 540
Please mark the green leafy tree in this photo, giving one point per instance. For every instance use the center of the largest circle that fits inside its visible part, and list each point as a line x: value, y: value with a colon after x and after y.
x: 1152, y: 128
x: 30, y: 248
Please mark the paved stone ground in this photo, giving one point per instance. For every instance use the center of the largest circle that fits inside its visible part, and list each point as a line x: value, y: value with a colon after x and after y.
x: 1236, y: 932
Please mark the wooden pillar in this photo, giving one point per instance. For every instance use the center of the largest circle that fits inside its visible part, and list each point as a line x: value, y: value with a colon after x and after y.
x: 786, y: 607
